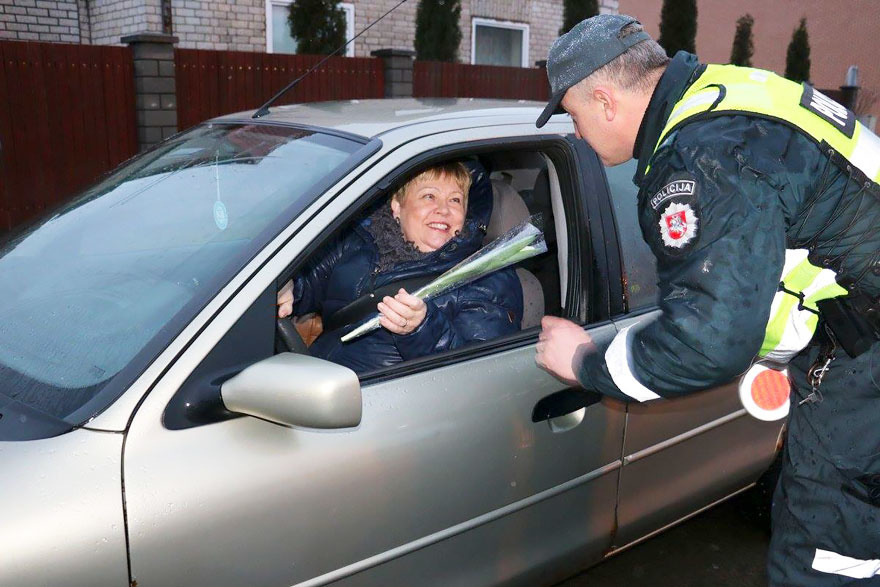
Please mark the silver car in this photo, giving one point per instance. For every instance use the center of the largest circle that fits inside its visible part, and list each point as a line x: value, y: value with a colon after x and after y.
x: 155, y: 430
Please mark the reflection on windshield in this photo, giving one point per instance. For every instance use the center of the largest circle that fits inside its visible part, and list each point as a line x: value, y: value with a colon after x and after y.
x: 84, y: 292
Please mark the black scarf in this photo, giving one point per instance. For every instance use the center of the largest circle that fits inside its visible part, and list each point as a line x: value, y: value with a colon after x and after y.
x: 393, y: 248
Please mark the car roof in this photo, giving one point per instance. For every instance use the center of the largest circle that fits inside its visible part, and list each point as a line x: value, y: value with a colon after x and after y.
x: 371, y: 118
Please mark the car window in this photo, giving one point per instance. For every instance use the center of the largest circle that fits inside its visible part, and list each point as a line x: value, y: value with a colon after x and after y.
x: 135, y: 256
x: 520, y: 186
x: 640, y: 266
x: 524, y: 182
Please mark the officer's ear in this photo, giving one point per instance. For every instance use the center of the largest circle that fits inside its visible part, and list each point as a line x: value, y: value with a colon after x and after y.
x: 604, y: 98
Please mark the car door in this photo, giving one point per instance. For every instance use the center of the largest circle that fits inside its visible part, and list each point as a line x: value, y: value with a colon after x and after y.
x: 686, y: 453
x: 451, y: 477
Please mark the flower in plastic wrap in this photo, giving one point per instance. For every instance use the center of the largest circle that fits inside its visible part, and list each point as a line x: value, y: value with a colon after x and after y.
x: 521, y: 242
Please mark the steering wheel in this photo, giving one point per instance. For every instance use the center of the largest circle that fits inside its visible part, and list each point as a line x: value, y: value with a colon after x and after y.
x: 290, y: 336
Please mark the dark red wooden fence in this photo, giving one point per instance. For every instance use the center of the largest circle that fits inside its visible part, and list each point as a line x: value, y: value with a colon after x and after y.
x: 457, y: 80
x: 211, y: 83
x: 67, y: 112
x: 66, y: 117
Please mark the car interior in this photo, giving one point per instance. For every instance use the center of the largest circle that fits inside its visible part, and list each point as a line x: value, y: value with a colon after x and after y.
x: 524, y: 185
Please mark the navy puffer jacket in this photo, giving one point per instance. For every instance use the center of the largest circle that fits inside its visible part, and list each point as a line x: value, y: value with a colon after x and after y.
x: 346, y: 269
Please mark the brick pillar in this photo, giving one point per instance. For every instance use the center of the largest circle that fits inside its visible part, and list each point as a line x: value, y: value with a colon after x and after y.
x: 154, y: 86
x: 542, y: 64
x: 398, y: 71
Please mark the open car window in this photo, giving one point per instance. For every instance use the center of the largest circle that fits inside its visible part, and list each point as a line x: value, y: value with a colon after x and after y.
x: 525, y: 185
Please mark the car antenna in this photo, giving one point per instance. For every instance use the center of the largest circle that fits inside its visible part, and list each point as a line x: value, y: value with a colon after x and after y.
x: 264, y: 109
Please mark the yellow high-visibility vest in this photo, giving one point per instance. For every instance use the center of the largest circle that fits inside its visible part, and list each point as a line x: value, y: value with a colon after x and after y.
x: 724, y: 90
x: 728, y: 89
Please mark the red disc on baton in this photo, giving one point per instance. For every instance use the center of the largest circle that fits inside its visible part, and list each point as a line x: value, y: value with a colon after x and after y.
x: 764, y: 392
x: 770, y: 389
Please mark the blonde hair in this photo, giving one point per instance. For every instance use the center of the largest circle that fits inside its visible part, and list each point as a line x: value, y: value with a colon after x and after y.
x: 454, y: 170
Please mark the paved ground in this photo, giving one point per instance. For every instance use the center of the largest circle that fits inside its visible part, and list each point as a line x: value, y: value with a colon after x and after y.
x: 725, y: 546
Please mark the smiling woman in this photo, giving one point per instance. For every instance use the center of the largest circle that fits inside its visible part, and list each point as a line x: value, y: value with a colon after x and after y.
x: 431, y: 207
x: 426, y: 228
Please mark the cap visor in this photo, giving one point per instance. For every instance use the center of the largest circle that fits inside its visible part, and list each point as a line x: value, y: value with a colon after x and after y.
x: 552, y: 108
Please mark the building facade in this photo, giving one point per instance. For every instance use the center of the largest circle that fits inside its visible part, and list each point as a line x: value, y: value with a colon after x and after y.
x: 841, y: 33
x: 497, y: 32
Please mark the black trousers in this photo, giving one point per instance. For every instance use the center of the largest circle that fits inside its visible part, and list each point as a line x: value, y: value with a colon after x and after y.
x: 826, y: 508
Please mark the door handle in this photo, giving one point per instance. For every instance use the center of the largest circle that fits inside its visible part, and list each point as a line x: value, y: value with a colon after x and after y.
x: 564, y: 402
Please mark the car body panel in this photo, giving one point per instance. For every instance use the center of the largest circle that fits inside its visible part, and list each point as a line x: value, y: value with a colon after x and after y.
x: 62, y: 518
x: 372, y: 118
x: 685, y: 453
x: 434, y: 450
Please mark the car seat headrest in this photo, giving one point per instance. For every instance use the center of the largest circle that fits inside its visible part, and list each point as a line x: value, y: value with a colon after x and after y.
x: 508, y: 210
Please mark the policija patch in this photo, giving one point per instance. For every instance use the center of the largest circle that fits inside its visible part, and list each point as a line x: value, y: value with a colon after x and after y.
x: 679, y: 187
x: 676, y: 207
x: 678, y: 225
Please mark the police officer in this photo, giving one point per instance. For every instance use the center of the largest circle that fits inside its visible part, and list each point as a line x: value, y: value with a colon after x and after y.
x: 760, y: 201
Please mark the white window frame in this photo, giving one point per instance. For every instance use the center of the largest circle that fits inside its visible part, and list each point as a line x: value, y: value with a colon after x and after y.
x: 347, y: 7
x: 501, y: 24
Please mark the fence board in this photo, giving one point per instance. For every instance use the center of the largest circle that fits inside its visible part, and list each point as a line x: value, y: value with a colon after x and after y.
x: 66, y: 116
x: 231, y: 81
x: 57, y: 121
x: 433, y: 79
x: 20, y: 136
x: 8, y: 149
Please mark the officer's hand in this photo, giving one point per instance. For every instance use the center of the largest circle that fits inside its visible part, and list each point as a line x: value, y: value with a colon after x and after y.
x: 557, y: 345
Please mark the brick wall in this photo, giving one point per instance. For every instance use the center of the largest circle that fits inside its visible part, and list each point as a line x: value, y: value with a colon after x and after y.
x: 544, y: 18
x: 112, y: 19
x: 396, y: 31
x: 842, y: 33
x: 226, y: 25
x: 40, y: 20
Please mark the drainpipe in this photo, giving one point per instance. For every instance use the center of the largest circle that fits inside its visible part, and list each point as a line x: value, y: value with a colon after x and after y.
x: 850, y: 88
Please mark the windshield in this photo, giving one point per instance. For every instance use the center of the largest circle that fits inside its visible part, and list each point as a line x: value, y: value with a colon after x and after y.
x: 137, y: 255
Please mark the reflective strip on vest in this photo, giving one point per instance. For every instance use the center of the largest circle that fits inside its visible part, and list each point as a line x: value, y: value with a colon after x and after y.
x: 827, y: 561
x: 755, y: 91
x: 791, y: 324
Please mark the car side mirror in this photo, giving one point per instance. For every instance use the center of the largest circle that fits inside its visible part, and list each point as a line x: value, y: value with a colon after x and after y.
x: 296, y: 390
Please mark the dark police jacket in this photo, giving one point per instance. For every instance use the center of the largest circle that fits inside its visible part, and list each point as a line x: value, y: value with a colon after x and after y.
x: 757, y: 187
x: 345, y: 270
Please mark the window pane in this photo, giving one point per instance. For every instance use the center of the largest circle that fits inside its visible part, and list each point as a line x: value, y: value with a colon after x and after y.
x: 638, y: 260
x: 498, y: 46
x: 84, y: 292
x: 282, y: 42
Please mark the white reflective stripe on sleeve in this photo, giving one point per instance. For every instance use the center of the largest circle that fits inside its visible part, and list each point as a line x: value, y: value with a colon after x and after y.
x: 831, y: 562
x: 618, y: 357
x: 866, y: 154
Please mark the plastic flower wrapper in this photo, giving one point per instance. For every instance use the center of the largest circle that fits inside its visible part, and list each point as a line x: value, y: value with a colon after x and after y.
x: 521, y: 242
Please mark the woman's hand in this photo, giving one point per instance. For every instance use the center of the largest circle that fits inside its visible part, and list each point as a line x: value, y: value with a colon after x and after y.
x: 285, y: 300
x: 403, y: 313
